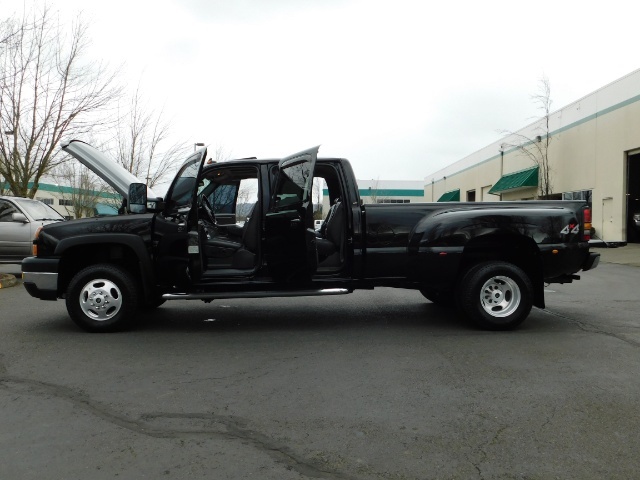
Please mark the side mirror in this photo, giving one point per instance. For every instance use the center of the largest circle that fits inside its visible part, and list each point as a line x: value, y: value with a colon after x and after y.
x: 19, y: 218
x: 137, y: 201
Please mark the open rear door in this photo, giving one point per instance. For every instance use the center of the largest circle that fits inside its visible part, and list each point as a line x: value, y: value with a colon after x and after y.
x: 290, y: 245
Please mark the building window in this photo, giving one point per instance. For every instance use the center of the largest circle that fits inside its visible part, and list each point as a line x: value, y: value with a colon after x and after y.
x: 471, y: 196
x: 393, y: 200
x: 46, y: 201
x: 578, y: 195
x: 65, y: 202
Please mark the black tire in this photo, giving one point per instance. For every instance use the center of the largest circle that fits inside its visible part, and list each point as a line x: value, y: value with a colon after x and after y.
x: 496, y: 295
x: 102, y: 298
x: 442, y: 299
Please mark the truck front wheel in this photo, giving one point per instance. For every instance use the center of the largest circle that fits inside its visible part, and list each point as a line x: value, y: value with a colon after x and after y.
x: 496, y: 295
x: 102, y: 298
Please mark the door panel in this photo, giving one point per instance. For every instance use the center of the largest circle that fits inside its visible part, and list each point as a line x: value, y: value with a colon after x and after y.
x: 15, y: 237
x: 290, y: 237
x: 171, y: 234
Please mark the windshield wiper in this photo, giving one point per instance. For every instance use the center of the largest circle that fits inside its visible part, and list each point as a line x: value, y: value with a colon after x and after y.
x: 49, y: 219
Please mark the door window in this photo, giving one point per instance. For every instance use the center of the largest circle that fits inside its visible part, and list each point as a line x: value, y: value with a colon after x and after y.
x: 223, y: 198
x: 294, y: 184
x: 38, y: 210
x: 184, y: 186
x: 6, y: 209
x: 232, y: 193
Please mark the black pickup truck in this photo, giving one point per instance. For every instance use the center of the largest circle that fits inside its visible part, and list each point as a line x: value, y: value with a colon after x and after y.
x: 244, y: 229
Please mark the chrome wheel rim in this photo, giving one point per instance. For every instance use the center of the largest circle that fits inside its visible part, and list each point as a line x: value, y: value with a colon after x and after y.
x: 500, y: 296
x: 100, y: 299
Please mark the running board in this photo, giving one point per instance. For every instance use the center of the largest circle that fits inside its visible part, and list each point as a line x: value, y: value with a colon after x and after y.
x: 261, y: 294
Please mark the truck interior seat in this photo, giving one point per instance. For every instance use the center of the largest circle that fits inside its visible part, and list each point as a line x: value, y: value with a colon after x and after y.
x: 225, y: 252
x: 330, y: 243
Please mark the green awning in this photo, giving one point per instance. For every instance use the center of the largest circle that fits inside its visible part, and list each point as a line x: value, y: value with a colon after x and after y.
x: 451, y: 196
x: 516, y: 180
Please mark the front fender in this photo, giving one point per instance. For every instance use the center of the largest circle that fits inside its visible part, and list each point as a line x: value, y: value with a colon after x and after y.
x: 133, y: 242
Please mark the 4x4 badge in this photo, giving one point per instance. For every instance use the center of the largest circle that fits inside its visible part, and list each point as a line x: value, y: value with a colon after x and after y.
x: 571, y: 228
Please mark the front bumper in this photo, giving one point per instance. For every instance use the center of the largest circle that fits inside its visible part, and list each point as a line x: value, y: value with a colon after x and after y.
x: 40, y: 277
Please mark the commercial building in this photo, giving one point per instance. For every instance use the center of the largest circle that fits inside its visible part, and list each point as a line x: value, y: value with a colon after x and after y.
x: 593, y: 154
x: 385, y: 191
x: 63, y: 198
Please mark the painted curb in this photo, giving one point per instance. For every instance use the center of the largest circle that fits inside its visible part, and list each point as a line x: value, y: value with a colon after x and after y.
x: 7, y: 280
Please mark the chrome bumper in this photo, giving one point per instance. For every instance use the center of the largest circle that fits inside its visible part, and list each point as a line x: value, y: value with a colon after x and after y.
x: 40, y: 277
x: 41, y: 280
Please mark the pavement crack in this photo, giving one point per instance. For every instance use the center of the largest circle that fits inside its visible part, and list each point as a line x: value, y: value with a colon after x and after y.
x: 172, y: 425
x: 3, y: 368
x: 78, y: 399
x: 587, y: 327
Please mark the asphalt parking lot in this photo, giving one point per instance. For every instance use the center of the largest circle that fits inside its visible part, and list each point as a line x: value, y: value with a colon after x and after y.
x: 378, y: 384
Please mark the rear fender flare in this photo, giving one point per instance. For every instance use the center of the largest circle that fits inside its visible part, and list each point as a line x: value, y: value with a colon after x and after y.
x: 498, y: 230
x: 458, y: 226
x: 515, y: 249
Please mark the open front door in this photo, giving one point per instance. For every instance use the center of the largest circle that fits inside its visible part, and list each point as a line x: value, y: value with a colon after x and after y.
x: 176, y: 230
x: 290, y: 245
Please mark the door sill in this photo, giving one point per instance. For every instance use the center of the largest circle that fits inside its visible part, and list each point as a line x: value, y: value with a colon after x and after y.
x: 256, y: 294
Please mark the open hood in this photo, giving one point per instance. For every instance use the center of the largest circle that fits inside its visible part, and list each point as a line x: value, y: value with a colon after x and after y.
x: 114, y: 174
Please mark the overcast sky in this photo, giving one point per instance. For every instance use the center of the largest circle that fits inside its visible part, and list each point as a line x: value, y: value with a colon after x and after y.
x: 402, y: 88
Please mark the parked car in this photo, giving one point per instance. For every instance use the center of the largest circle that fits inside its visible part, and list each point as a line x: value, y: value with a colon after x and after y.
x: 20, y: 218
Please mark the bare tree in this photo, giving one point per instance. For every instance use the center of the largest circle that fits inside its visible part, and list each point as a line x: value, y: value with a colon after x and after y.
x: 246, y: 198
x: 7, y: 32
x: 373, y: 190
x: 318, y: 184
x: 47, y: 90
x: 537, y: 149
x: 220, y: 154
x: 80, y: 189
x: 140, y: 142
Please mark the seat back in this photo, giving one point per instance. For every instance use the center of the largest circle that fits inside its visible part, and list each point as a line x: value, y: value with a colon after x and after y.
x: 335, y: 226
x: 332, y: 209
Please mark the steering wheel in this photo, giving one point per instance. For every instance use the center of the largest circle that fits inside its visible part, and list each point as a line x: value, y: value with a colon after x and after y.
x: 208, y: 209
